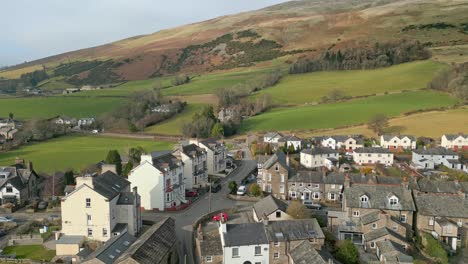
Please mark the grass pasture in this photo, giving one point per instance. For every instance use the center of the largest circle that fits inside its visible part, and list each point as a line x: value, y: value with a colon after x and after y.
x: 311, y: 87
x: 47, y: 107
x: 173, y: 125
x: 32, y: 252
x: 75, y: 151
x: 348, y: 113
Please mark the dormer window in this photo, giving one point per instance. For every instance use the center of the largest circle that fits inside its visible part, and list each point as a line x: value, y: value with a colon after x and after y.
x: 393, y: 201
x: 364, y: 199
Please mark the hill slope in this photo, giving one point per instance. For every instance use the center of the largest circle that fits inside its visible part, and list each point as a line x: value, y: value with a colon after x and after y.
x: 294, y: 28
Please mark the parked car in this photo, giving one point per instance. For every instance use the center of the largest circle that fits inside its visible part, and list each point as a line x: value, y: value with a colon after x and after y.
x: 242, y: 190
x: 216, y: 187
x: 191, y: 194
x: 4, y: 219
x: 217, y: 217
x: 312, y: 205
x: 42, y: 205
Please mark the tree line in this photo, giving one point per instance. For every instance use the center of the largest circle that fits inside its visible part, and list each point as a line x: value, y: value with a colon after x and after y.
x: 453, y: 80
x: 377, y: 56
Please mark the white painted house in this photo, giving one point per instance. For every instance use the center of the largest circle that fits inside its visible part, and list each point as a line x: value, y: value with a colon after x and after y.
x: 244, y: 243
x: 272, y: 137
x: 342, y: 142
x: 319, y: 157
x: 216, y: 154
x: 398, y: 142
x: 17, y: 185
x: 455, y: 142
x: 86, y: 121
x: 430, y: 158
x: 291, y: 141
x: 159, y: 179
x: 373, y: 155
x: 195, y: 167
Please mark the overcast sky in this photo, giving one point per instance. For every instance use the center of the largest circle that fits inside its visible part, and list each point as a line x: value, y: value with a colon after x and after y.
x: 33, y: 29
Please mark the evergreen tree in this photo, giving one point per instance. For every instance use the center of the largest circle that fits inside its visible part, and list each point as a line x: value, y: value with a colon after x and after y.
x: 113, y: 157
x: 69, y: 178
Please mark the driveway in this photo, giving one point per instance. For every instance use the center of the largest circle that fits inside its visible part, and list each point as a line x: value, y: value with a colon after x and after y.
x: 219, y: 200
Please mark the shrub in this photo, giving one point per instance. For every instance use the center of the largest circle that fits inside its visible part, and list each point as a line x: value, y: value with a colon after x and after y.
x: 347, y: 253
x: 435, y: 249
x: 232, y: 187
x: 297, y: 210
x: 255, y: 190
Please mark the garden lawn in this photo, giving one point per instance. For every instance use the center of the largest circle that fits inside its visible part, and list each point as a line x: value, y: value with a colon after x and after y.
x: 75, y: 152
x: 348, y: 113
x: 32, y: 252
x: 48, y: 107
x: 173, y: 126
x: 311, y: 87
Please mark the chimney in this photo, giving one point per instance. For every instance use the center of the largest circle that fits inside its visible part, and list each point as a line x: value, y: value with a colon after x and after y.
x: 147, y: 158
x: 265, y: 220
x: 84, y: 179
x: 222, y: 226
x: 19, y: 161
x: 135, y: 191
x: 287, y: 159
x: 109, y: 167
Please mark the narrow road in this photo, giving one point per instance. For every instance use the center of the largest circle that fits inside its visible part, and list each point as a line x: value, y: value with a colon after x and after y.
x: 219, y: 200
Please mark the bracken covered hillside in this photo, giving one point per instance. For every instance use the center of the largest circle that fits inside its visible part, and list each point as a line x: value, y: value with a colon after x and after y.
x: 289, y: 30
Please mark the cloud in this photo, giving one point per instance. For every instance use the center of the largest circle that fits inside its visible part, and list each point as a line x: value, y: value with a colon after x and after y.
x: 34, y: 29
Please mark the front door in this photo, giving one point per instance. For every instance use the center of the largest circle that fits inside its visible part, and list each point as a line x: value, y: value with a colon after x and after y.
x: 307, y: 196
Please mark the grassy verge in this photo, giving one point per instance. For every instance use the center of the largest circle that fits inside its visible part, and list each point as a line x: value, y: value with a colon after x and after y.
x: 75, y: 151
x: 346, y: 113
x: 32, y: 252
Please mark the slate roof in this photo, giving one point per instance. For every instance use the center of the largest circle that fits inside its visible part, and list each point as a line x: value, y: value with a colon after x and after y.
x: 431, y: 186
x: 279, y: 157
x: 210, y: 143
x: 393, y: 252
x: 272, y: 134
x: 289, y: 138
x: 211, y: 244
x: 307, y: 176
x: 454, y: 136
x: 268, y: 205
x: 389, y: 137
x: 334, y: 178
x: 126, y: 198
x: 377, y: 233
x: 373, y: 150
x: 16, y: 176
x: 304, y: 253
x: 379, y: 197
x: 319, y: 151
x: 370, y: 218
x: 153, y: 245
x: 192, y: 150
x: 291, y: 230
x: 112, y: 249
x: 240, y: 234
x: 109, y: 184
x: 262, y: 158
x: 441, y: 205
x: 435, y: 151
x: 163, y: 160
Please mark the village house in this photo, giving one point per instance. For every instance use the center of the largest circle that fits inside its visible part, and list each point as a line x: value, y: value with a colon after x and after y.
x: 373, y: 155
x: 101, y: 207
x: 398, y: 143
x: 390, y: 252
x: 433, y: 157
x: 195, y: 168
x: 65, y: 121
x: 304, y: 252
x: 306, y: 185
x: 271, y: 209
x: 454, y: 142
x: 272, y: 137
x: 348, y: 143
x: 160, y: 179
x: 291, y: 141
x: 164, y: 108
x: 8, y: 132
x: 444, y: 216
x: 261, y: 159
x: 227, y: 114
x: 216, y: 154
x: 156, y: 245
x: 376, y: 212
x: 333, y: 184
x: 86, y: 121
x: 18, y: 184
x: 275, y: 174
x: 319, y: 157
x: 208, y: 247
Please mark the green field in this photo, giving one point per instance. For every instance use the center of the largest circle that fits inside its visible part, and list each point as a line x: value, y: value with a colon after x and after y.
x: 47, y: 107
x: 75, y: 151
x: 346, y: 113
x: 32, y: 252
x: 173, y: 126
x: 311, y: 87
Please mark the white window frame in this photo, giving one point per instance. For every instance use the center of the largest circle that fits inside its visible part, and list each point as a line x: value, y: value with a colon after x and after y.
x: 276, y: 255
x: 431, y: 221
x: 88, y: 202
x: 356, y: 213
x: 374, y: 226
x: 209, y: 258
x: 372, y: 244
x: 234, y: 250
x: 403, y: 218
x: 259, y: 250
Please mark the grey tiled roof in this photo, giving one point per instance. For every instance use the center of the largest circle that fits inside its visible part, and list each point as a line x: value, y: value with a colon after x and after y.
x: 389, y: 137
x: 435, y: 151
x: 454, y: 136
x: 431, y: 186
x: 268, y: 205
x: 241, y: 234
x: 319, y: 151
x: 126, y: 198
x: 289, y: 138
x: 304, y: 253
x: 154, y: 245
x: 307, y: 176
x: 165, y: 160
x: 393, y: 252
x: 292, y: 230
x: 211, y: 244
x: 192, y: 150
x: 370, y: 218
x: 379, y: 197
x: 373, y: 235
x: 441, y: 205
x: 279, y: 157
x: 334, y: 178
x: 373, y: 150
x: 273, y: 134
x: 210, y: 143
x: 109, y: 184
x: 112, y: 249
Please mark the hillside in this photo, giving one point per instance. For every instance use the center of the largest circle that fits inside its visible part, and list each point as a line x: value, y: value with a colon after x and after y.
x: 292, y: 29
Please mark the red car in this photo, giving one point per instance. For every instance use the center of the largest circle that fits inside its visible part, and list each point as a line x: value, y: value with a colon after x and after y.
x: 218, y: 217
x: 191, y: 194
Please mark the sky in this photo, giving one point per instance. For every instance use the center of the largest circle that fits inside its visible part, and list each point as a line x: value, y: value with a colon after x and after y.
x: 33, y: 29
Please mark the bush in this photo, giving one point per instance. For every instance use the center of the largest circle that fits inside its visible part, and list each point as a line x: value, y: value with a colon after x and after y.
x: 255, y: 190
x: 347, y: 253
x: 232, y: 187
x: 297, y: 210
x: 435, y: 249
